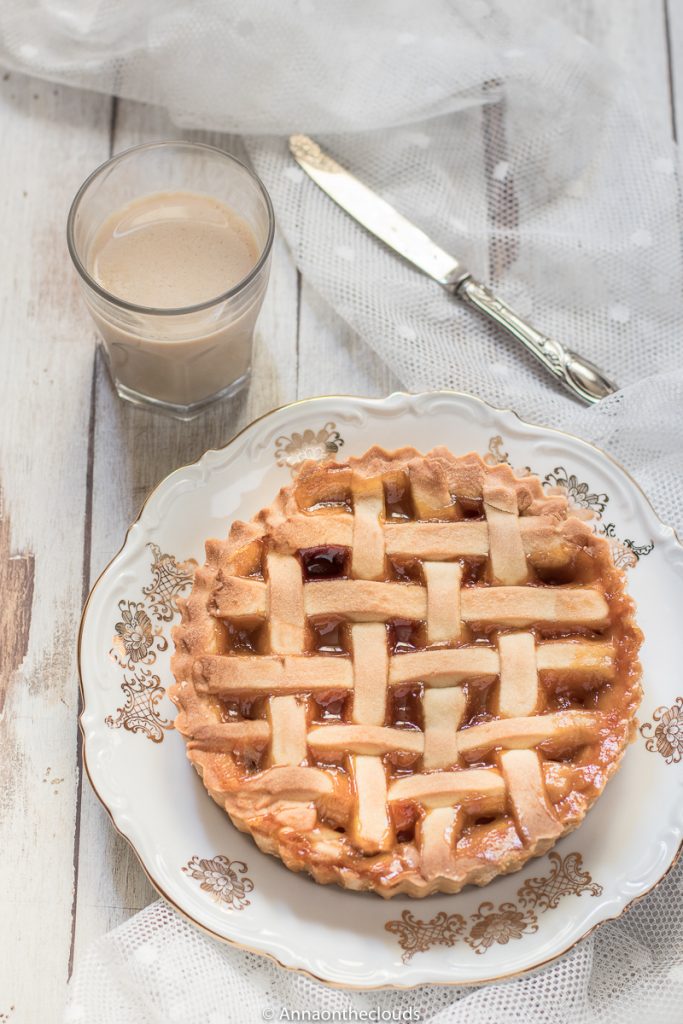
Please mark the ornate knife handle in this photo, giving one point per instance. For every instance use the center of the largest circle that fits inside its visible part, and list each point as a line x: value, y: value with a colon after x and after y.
x: 578, y: 375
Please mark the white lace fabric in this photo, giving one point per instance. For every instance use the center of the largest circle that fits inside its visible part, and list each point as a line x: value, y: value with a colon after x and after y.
x: 518, y: 147
x: 156, y: 969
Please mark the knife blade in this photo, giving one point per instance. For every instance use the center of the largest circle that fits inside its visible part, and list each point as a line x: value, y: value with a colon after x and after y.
x: 374, y: 213
x: 578, y: 375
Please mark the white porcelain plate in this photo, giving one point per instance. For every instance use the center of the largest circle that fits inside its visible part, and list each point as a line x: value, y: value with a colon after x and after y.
x: 215, y: 875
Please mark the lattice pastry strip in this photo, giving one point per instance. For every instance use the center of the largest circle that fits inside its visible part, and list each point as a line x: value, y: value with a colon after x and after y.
x: 519, y: 690
x: 287, y: 718
x: 365, y: 739
x: 371, y: 828
x: 485, y: 786
x: 437, y: 837
x: 420, y: 770
x: 524, y: 782
x: 368, y: 537
x: 251, y: 675
x: 545, y: 542
x: 301, y: 784
x: 438, y: 541
x: 365, y: 600
x: 372, y: 601
x: 560, y: 729
x: 375, y: 601
x: 370, y: 672
x: 285, y: 604
x: 507, y: 558
x: 443, y: 711
x: 444, y: 620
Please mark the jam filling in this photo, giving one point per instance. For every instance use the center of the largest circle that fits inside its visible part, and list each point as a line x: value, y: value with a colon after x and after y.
x: 330, y: 709
x: 405, y: 707
x: 406, y: 570
x: 328, y: 636
x: 324, y: 563
x: 244, y: 640
x: 398, y: 499
x: 406, y: 635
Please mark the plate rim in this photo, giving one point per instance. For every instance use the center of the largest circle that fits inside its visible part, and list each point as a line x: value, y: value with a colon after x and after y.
x: 306, y: 972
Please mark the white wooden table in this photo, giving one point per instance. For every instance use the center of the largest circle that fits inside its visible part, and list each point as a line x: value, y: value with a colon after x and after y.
x: 75, y: 466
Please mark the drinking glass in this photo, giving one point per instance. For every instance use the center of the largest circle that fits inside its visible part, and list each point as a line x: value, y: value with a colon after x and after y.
x: 180, y: 360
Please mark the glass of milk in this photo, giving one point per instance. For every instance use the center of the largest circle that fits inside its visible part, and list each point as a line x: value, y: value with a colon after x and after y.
x: 172, y: 241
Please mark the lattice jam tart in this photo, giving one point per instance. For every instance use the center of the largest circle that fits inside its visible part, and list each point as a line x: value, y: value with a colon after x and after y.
x: 409, y: 673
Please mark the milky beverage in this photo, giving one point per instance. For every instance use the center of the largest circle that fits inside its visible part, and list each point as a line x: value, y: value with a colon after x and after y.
x: 166, y: 251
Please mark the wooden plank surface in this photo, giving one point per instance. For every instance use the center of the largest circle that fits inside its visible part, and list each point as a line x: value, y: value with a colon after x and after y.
x: 76, y: 464
x: 47, y: 356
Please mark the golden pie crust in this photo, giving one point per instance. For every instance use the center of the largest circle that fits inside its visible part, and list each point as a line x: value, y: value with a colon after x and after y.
x: 409, y: 673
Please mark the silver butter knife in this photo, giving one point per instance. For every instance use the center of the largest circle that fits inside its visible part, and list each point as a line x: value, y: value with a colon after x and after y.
x: 579, y: 376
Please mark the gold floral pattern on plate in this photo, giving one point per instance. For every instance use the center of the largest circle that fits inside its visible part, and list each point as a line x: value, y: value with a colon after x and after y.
x: 584, y: 503
x: 667, y: 738
x: 169, y: 579
x: 566, y: 879
x: 143, y: 692
x: 490, y: 925
x: 415, y: 936
x: 137, y: 641
x: 310, y: 444
x: 225, y: 880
